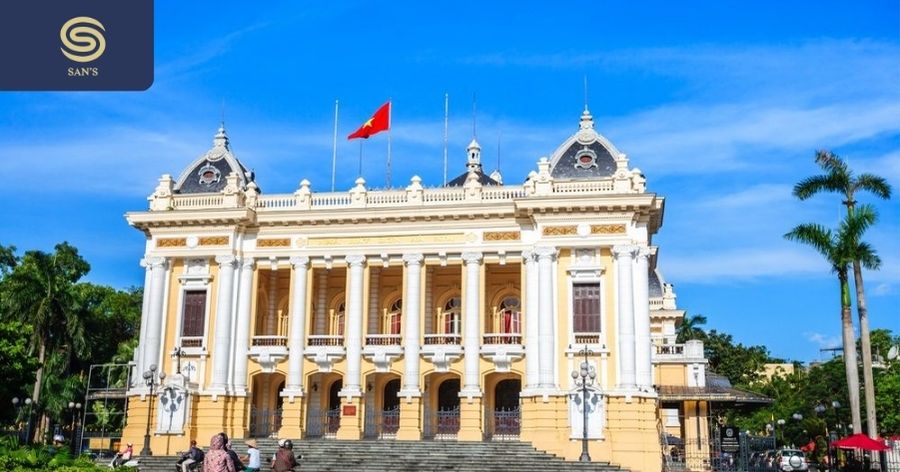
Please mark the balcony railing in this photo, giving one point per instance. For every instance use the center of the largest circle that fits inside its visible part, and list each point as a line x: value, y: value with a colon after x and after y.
x: 325, y: 340
x: 587, y: 338
x: 442, y: 339
x: 502, y: 338
x: 192, y: 341
x: 383, y: 340
x: 691, y: 350
x: 268, y: 340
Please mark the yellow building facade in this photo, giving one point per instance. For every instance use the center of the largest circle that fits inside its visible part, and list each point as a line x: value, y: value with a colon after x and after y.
x: 455, y: 313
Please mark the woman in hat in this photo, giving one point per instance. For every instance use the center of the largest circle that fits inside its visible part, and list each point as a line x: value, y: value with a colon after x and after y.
x: 252, y: 458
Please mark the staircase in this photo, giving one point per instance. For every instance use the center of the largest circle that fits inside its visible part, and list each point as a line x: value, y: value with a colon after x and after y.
x: 412, y: 456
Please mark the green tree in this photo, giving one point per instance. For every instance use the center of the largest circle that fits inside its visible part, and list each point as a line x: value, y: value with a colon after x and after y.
x: 838, y: 249
x: 839, y: 178
x: 742, y: 365
x: 40, y: 291
x: 17, y: 365
x: 690, y: 328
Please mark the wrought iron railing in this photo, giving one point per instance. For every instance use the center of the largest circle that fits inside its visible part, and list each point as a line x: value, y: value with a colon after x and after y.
x: 383, y: 424
x: 444, y: 423
x: 504, y: 424
x: 264, y: 422
x: 325, y: 424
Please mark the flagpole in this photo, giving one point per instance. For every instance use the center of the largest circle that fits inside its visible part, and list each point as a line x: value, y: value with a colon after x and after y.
x: 390, y: 112
x: 360, y: 156
x: 334, y: 146
x: 446, y: 117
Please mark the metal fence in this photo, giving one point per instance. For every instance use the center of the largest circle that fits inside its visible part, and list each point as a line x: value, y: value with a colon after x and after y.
x: 503, y: 424
x: 325, y: 424
x: 442, y: 424
x: 382, y: 424
x: 747, y: 453
x: 264, y: 422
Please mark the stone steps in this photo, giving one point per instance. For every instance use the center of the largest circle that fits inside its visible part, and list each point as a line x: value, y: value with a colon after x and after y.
x: 389, y: 455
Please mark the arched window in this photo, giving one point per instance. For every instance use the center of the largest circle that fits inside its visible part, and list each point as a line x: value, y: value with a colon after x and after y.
x: 337, y: 320
x: 393, y: 317
x: 452, y: 316
x: 510, y: 316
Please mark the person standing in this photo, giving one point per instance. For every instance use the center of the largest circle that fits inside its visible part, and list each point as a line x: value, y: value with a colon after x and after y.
x: 252, y: 458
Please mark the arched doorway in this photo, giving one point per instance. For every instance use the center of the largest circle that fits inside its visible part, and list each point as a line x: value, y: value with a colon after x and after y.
x: 447, y: 424
x: 333, y: 414
x: 265, y: 405
x: 505, y: 419
x: 390, y: 409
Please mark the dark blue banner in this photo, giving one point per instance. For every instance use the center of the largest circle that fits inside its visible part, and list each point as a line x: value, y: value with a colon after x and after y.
x: 76, y: 44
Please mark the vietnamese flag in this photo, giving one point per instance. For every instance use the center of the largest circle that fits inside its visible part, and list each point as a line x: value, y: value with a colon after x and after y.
x: 380, y: 121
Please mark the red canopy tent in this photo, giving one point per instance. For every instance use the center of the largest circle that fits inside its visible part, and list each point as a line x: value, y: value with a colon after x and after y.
x: 860, y: 441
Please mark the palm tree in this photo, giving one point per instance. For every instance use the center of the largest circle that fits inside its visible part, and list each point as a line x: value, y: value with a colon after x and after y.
x: 839, y: 250
x: 839, y: 178
x: 40, y: 293
x: 690, y: 328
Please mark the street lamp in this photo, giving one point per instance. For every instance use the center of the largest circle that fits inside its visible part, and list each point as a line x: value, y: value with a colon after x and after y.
x: 150, y: 378
x: 584, y: 377
x: 781, y: 427
x: 73, y: 409
x: 15, y: 402
x: 177, y: 353
x: 28, y: 402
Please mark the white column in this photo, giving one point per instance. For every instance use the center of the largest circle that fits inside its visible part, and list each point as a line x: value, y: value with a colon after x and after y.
x: 412, y: 314
x: 158, y: 268
x: 242, y: 333
x: 643, y: 368
x: 294, y: 385
x: 321, y: 309
x: 374, y: 312
x: 625, y: 301
x: 223, y: 323
x: 272, y: 309
x: 354, y: 326
x: 429, y: 301
x: 545, y: 257
x: 472, y: 324
x: 532, y: 349
x: 145, y: 315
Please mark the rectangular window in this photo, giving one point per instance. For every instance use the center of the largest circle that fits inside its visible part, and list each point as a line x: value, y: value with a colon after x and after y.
x: 586, y: 307
x: 193, y: 313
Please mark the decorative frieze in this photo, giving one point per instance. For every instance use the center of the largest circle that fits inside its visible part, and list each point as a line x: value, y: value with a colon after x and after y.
x: 367, y: 240
x: 214, y: 241
x: 273, y: 242
x: 171, y: 242
x: 568, y: 230
x: 502, y: 235
x: 608, y: 229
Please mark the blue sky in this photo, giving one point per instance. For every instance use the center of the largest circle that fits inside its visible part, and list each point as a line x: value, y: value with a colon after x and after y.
x: 721, y: 104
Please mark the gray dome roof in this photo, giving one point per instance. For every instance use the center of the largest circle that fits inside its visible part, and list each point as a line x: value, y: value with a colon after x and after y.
x: 208, y: 172
x: 586, y: 155
x: 655, y: 285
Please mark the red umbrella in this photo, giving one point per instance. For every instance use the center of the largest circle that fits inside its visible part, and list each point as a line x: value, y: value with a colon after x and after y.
x: 860, y: 441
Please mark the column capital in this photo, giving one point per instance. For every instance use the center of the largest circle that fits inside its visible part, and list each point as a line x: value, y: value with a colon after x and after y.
x: 155, y: 262
x: 300, y: 262
x: 527, y: 256
x: 545, y: 252
x: 627, y: 250
x: 643, y: 252
x: 355, y: 260
x: 472, y: 257
x: 247, y: 263
x: 413, y: 259
x: 226, y: 260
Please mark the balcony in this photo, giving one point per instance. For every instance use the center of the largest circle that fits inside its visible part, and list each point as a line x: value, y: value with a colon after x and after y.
x: 192, y: 342
x: 442, y: 350
x: 691, y: 351
x: 382, y: 350
x: 588, y: 338
x: 325, y: 350
x: 268, y: 351
x: 502, y: 349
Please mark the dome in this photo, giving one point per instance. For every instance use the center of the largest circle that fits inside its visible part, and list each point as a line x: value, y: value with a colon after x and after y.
x: 586, y: 155
x: 208, y: 172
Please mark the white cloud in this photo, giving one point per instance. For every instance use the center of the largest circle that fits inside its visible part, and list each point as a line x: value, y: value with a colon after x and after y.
x: 714, y: 266
x: 823, y: 341
x: 881, y: 290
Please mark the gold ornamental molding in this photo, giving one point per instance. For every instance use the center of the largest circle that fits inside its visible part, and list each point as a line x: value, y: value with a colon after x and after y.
x: 214, y: 241
x: 502, y: 235
x: 171, y: 242
x: 608, y: 229
x: 366, y: 240
x: 274, y: 242
x: 569, y: 230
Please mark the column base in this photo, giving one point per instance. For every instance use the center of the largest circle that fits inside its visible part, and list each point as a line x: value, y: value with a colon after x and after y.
x: 410, y: 420
x: 350, y: 423
x: 470, y: 419
x: 291, y: 420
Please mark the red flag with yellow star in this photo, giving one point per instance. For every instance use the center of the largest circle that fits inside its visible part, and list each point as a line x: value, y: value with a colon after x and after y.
x: 380, y: 121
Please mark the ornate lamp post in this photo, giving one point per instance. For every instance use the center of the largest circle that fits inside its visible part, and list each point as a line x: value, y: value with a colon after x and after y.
x: 177, y: 353
x: 73, y: 410
x: 18, y: 407
x: 150, y: 378
x: 29, y: 403
x: 780, y: 423
x: 584, y: 377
